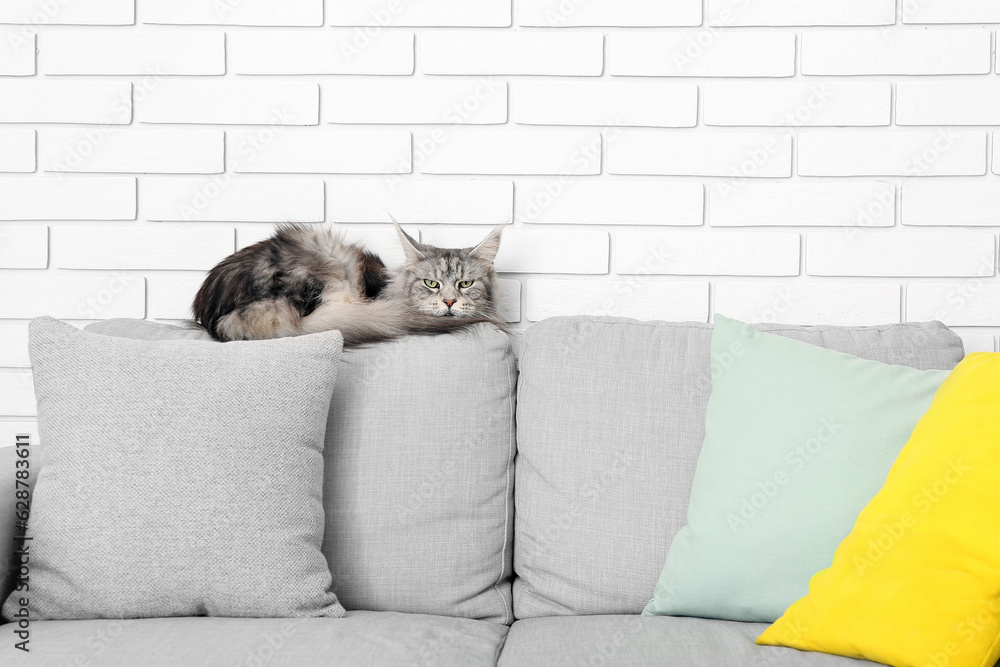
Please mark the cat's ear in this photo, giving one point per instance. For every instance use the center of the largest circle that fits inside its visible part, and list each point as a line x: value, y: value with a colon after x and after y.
x: 490, y: 246
x: 410, y: 248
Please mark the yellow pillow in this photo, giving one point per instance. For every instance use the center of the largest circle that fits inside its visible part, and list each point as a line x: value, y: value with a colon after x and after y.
x: 917, y: 581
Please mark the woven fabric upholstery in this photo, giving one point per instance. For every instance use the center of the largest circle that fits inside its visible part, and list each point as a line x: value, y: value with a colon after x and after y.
x: 418, y: 490
x: 179, y: 478
x: 610, y: 422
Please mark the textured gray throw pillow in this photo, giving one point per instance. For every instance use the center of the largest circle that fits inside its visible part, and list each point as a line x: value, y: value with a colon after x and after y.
x: 179, y: 478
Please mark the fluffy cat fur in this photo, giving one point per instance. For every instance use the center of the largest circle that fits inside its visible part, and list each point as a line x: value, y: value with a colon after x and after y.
x: 306, y: 279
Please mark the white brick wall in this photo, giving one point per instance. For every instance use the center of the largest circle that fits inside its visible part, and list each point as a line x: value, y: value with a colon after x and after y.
x: 245, y: 12
x: 32, y: 100
x: 840, y: 52
x: 482, y: 13
x: 78, y: 12
x: 24, y: 247
x: 625, y: 103
x: 821, y: 303
x: 792, y: 161
x: 800, y: 12
x: 136, y: 52
x: 503, y: 52
x: 232, y: 102
x: 941, y: 153
x: 320, y: 152
x: 17, y: 150
x: 17, y: 52
x: 951, y: 11
x: 89, y: 149
x: 328, y: 52
x: 702, y: 53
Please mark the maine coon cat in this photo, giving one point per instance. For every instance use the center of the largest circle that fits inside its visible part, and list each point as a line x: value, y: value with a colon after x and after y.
x: 306, y: 279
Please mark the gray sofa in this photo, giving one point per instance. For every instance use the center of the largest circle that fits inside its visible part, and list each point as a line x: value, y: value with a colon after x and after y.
x: 453, y: 542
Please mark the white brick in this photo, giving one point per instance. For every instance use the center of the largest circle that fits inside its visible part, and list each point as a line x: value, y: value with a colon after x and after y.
x: 420, y: 202
x: 48, y: 101
x: 170, y: 297
x: 17, y: 51
x: 326, y: 52
x: 14, y: 347
x: 446, y: 151
x: 896, y: 52
x: 996, y: 155
x: 105, y: 198
x: 231, y: 102
x: 127, y: 150
x: 701, y: 154
x: 801, y: 12
x: 227, y: 199
x: 100, y: 247
x: 974, y: 342
x: 79, y: 296
x: 635, y: 13
x: 841, y: 304
x: 322, y: 151
x: 605, y: 103
x: 479, y: 101
x: 974, y: 302
x: 17, y: 395
x: 134, y: 52
x: 797, y: 104
x: 951, y: 11
x: 943, y: 153
x: 508, y: 296
x: 853, y: 253
x: 718, y: 254
x: 10, y: 429
x: 453, y: 13
x: 17, y: 150
x: 504, y: 52
x: 24, y: 247
x: 77, y: 12
x: 948, y: 103
x: 799, y: 204
x: 639, y: 299
x: 534, y: 251
x: 380, y: 239
x: 679, y: 53
x: 584, y: 201
x: 952, y: 202
x: 244, y: 12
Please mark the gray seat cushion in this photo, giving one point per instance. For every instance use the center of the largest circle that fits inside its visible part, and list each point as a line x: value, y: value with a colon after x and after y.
x: 418, y: 482
x: 610, y: 421
x: 360, y: 638
x: 662, y: 641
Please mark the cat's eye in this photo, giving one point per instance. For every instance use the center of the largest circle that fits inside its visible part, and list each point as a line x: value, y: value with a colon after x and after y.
x: 465, y: 284
x: 433, y: 284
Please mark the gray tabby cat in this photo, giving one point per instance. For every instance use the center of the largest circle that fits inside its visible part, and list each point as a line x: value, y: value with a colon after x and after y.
x: 307, y: 279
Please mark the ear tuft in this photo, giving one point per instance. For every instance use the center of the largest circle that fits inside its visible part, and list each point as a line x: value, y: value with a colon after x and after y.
x: 487, y: 250
x: 410, y: 246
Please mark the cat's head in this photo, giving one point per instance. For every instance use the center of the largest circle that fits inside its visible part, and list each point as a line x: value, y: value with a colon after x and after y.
x: 449, y: 282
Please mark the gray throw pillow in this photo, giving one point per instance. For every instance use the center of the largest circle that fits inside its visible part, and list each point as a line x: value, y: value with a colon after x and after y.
x: 419, y: 478
x: 179, y: 478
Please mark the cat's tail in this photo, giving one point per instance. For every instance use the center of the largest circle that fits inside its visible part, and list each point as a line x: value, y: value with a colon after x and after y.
x: 378, y: 321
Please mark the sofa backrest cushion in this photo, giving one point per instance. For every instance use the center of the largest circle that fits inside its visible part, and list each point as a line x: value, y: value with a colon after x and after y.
x: 418, y: 472
x: 608, y: 409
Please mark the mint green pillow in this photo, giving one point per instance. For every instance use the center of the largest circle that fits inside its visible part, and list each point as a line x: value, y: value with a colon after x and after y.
x: 798, y: 439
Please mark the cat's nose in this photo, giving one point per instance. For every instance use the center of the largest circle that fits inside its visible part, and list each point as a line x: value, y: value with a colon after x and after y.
x: 449, y: 302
